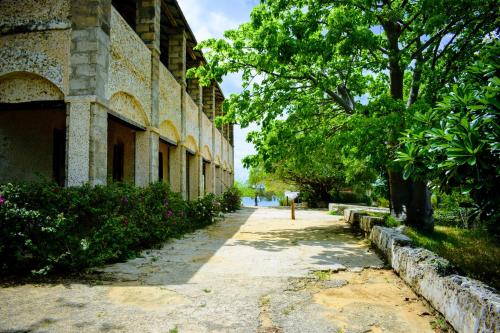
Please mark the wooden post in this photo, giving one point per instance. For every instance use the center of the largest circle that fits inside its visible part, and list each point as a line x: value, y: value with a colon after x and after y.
x: 293, y: 209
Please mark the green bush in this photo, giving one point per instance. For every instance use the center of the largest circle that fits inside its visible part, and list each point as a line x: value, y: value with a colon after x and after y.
x: 351, y: 198
x: 230, y: 200
x: 45, y: 227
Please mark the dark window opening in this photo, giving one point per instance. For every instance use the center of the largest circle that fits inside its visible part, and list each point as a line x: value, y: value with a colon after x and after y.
x: 118, y: 161
x: 127, y: 9
x: 188, y: 185
x: 205, y: 166
x: 59, y: 155
x: 160, y: 166
x: 167, y: 158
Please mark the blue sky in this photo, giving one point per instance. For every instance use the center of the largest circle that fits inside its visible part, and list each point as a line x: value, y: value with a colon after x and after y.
x: 210, y: 18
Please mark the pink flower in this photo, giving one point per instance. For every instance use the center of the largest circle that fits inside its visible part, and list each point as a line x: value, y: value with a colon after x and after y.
x: 168, y: 214
x: 2, y: 200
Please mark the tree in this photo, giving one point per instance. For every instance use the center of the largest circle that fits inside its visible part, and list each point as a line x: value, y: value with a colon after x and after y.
x: 457, y: 143
x: 333, y: 56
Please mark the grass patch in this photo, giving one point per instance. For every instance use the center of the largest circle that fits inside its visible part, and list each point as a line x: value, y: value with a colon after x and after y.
x: 322, y: 275
x: 391, y: 221
x: 475, y: 252
x: 334, y: 212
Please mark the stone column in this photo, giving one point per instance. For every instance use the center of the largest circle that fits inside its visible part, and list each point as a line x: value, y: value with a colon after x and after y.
x: 209, y: 110
x: 174, y: 174
x: 86, y: 146
x: 148, y: 28
x: 177, y: 66
x: 142, y: 154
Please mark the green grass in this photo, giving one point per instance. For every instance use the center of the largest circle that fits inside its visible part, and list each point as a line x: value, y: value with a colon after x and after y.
x: 390, y: 221
x: 334, y: 212
x: 322, y: 275
x: 474, y: 251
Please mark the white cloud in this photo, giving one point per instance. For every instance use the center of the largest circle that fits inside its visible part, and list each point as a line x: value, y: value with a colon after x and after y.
x: 204, y: 22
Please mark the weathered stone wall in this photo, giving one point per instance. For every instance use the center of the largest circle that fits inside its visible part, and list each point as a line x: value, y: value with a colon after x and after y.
x: 85, y: 53
x: 468, y: 305
x: 31, y: 15
x: 206, y: 137
x: 170, y: 99
x: 24, y: 87
x: 45, y: 53
x: 130, y: 65
x: 192, y: 125
x: 225, y: 155
x: 218, y: 147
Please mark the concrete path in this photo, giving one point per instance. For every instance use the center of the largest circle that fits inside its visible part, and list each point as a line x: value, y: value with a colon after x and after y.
x: 256, y: 271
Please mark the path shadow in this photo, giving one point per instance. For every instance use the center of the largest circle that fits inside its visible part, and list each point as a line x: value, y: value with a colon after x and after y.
x: 338, y: 244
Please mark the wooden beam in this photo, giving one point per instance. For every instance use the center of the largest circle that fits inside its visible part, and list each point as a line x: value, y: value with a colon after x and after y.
x: 168, y: 13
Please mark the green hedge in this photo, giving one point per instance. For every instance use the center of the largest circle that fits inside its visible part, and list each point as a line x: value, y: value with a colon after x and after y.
x: 45, y: 227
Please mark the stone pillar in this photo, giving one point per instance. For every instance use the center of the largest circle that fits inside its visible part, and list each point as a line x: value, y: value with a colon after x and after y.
x: 98, y: 145
x: 194, y: 181
x: 148, y: 22
x: 177, y: 66
x: 209, y: 178
x: 177, y: 56
x: 209, y: 110
x: 175, y: 168
x: 86, y: 146
x: 209, y: 101
x: 78, y: 143
x: 195, y: 90
x: 148, y: 28
x: 142, y: 153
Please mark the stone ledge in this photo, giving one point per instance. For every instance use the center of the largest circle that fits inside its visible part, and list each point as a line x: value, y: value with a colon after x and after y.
x: 342, y: 207
x: 367, y: 222
x: 470, y: 306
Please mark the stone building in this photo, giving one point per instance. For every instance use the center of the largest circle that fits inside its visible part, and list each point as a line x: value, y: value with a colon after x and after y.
x: 94, y: 90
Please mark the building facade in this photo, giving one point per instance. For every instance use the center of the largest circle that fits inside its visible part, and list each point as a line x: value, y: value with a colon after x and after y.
x: 96, y: 90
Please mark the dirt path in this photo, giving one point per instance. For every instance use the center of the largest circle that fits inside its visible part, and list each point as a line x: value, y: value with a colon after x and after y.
x: 254, y: 272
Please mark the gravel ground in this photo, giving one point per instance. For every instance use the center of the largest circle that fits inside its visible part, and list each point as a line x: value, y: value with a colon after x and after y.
x: 254, y: 271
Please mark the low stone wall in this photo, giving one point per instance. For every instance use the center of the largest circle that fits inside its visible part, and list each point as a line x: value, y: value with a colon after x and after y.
x: 340, y: 208
x: 468, y: 305
x: 355, y: 216
x: 366, y: 223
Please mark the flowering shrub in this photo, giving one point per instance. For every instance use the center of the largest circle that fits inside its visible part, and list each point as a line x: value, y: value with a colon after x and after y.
x: 45, y: 227
x: 230, y: 200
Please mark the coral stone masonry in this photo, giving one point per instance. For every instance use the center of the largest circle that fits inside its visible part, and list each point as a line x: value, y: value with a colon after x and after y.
x: 96, y: 90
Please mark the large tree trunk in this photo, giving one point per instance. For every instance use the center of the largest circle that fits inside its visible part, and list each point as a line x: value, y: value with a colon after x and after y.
x: 419, y: 211
x: 398, y: 192
x: 410, y: 200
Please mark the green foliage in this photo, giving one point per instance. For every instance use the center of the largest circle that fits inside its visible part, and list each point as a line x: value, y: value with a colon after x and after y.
x: 333, y: 84
x: 391, y: 221
x: 476, y: 252
x: 230, y: 200
x: 351, y: 197
x: 49, y: 228
x: 244, y: 189
x: 457, y: 143
x: 456, y: 210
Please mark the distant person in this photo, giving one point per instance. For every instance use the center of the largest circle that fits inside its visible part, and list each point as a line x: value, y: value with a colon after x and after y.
x: 256, y: 200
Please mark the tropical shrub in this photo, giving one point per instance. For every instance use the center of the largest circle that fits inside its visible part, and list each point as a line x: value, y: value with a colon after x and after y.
x: 456, y: 145
x: 45, y: 227
x: 230, y: 200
